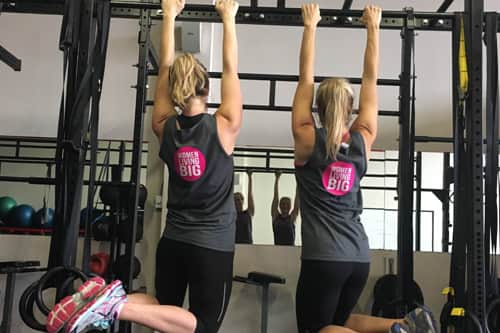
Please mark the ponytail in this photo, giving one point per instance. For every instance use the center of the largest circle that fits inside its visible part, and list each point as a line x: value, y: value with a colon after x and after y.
x: 334, y: 99
x: 187, y: 78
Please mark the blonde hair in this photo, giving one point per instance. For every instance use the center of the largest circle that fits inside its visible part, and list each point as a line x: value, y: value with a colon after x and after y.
x: 334, y: 99
x: 187, y: 78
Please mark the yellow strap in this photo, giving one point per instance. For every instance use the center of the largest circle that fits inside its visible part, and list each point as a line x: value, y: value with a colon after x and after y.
x: 448, y: 291
x: 458, y: 312
x: 464, y: 75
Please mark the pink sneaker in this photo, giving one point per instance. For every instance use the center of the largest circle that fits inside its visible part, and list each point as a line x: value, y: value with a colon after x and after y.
x: 101, y: 311
x: 69, y: 305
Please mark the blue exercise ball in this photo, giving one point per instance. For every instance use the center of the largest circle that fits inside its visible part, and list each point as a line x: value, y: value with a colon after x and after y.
x: 20, y: 216
x: 94, y: 215
x: 44, y: 218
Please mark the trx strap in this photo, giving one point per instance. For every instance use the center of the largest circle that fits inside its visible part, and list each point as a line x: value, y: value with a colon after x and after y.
x: 456, y: 291
x: 462, y: 64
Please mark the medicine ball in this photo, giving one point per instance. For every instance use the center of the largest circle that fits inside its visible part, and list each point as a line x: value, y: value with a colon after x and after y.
x: 6, y: 204
x: 94, y: 215
x: 99, y: 264
x: 44, y: 218
x: 20, y: 216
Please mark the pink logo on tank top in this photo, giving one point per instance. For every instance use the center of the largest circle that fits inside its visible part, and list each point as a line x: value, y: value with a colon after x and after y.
x: 189, y: 163
x: 338, y: 178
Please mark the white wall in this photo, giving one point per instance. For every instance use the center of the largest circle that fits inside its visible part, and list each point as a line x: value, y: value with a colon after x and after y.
x: 30, y: 98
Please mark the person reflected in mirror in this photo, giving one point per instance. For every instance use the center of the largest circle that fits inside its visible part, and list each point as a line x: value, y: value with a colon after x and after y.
x: 244, y: 218
x: 283, y: 216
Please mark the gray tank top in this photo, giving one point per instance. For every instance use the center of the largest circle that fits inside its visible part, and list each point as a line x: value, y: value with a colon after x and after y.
x: 200, y: 204
x: 284, y: 230
x: 244, y: 228
x: 331, y: 202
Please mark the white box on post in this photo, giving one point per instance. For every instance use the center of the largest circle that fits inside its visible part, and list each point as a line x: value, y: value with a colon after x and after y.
x: 190, y: 37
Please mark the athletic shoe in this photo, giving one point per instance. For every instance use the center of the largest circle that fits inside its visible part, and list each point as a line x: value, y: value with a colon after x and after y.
x: 400, y: 328
x: 68, y: 306
x: 101, y: 311
x: 421, y: 320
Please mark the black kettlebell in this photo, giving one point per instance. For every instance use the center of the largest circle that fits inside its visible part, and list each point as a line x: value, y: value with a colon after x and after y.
x: 111, y: 195
x: 120, y: 267
x: 101, y: 229
x: 124, y: 228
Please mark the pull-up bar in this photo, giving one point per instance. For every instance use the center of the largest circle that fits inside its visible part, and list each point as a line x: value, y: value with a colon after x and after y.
x: 293, y: 17
x: 276, y: 10
x: 279, y: 15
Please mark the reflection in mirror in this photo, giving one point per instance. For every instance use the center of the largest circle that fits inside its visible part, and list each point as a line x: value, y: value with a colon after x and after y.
x: 273, y: 197
x: 265, y: 192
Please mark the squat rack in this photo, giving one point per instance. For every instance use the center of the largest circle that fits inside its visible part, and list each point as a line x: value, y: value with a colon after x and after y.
x: 407, y: 21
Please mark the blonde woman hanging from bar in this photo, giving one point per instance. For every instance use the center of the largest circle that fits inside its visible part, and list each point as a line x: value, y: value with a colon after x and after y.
x: 197, y: 247
x: 330, y: 162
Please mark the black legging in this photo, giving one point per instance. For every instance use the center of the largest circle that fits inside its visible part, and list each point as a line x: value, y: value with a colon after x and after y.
x: 327, y: 292
x: 208, y: 273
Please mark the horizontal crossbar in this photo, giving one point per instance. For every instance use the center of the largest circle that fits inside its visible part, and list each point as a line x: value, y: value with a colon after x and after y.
x: 251, y: 15
x: 293, y: 78
x: 255, y: 107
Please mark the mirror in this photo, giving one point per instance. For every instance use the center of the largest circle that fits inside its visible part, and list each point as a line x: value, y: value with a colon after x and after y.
x: 380, y: 212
